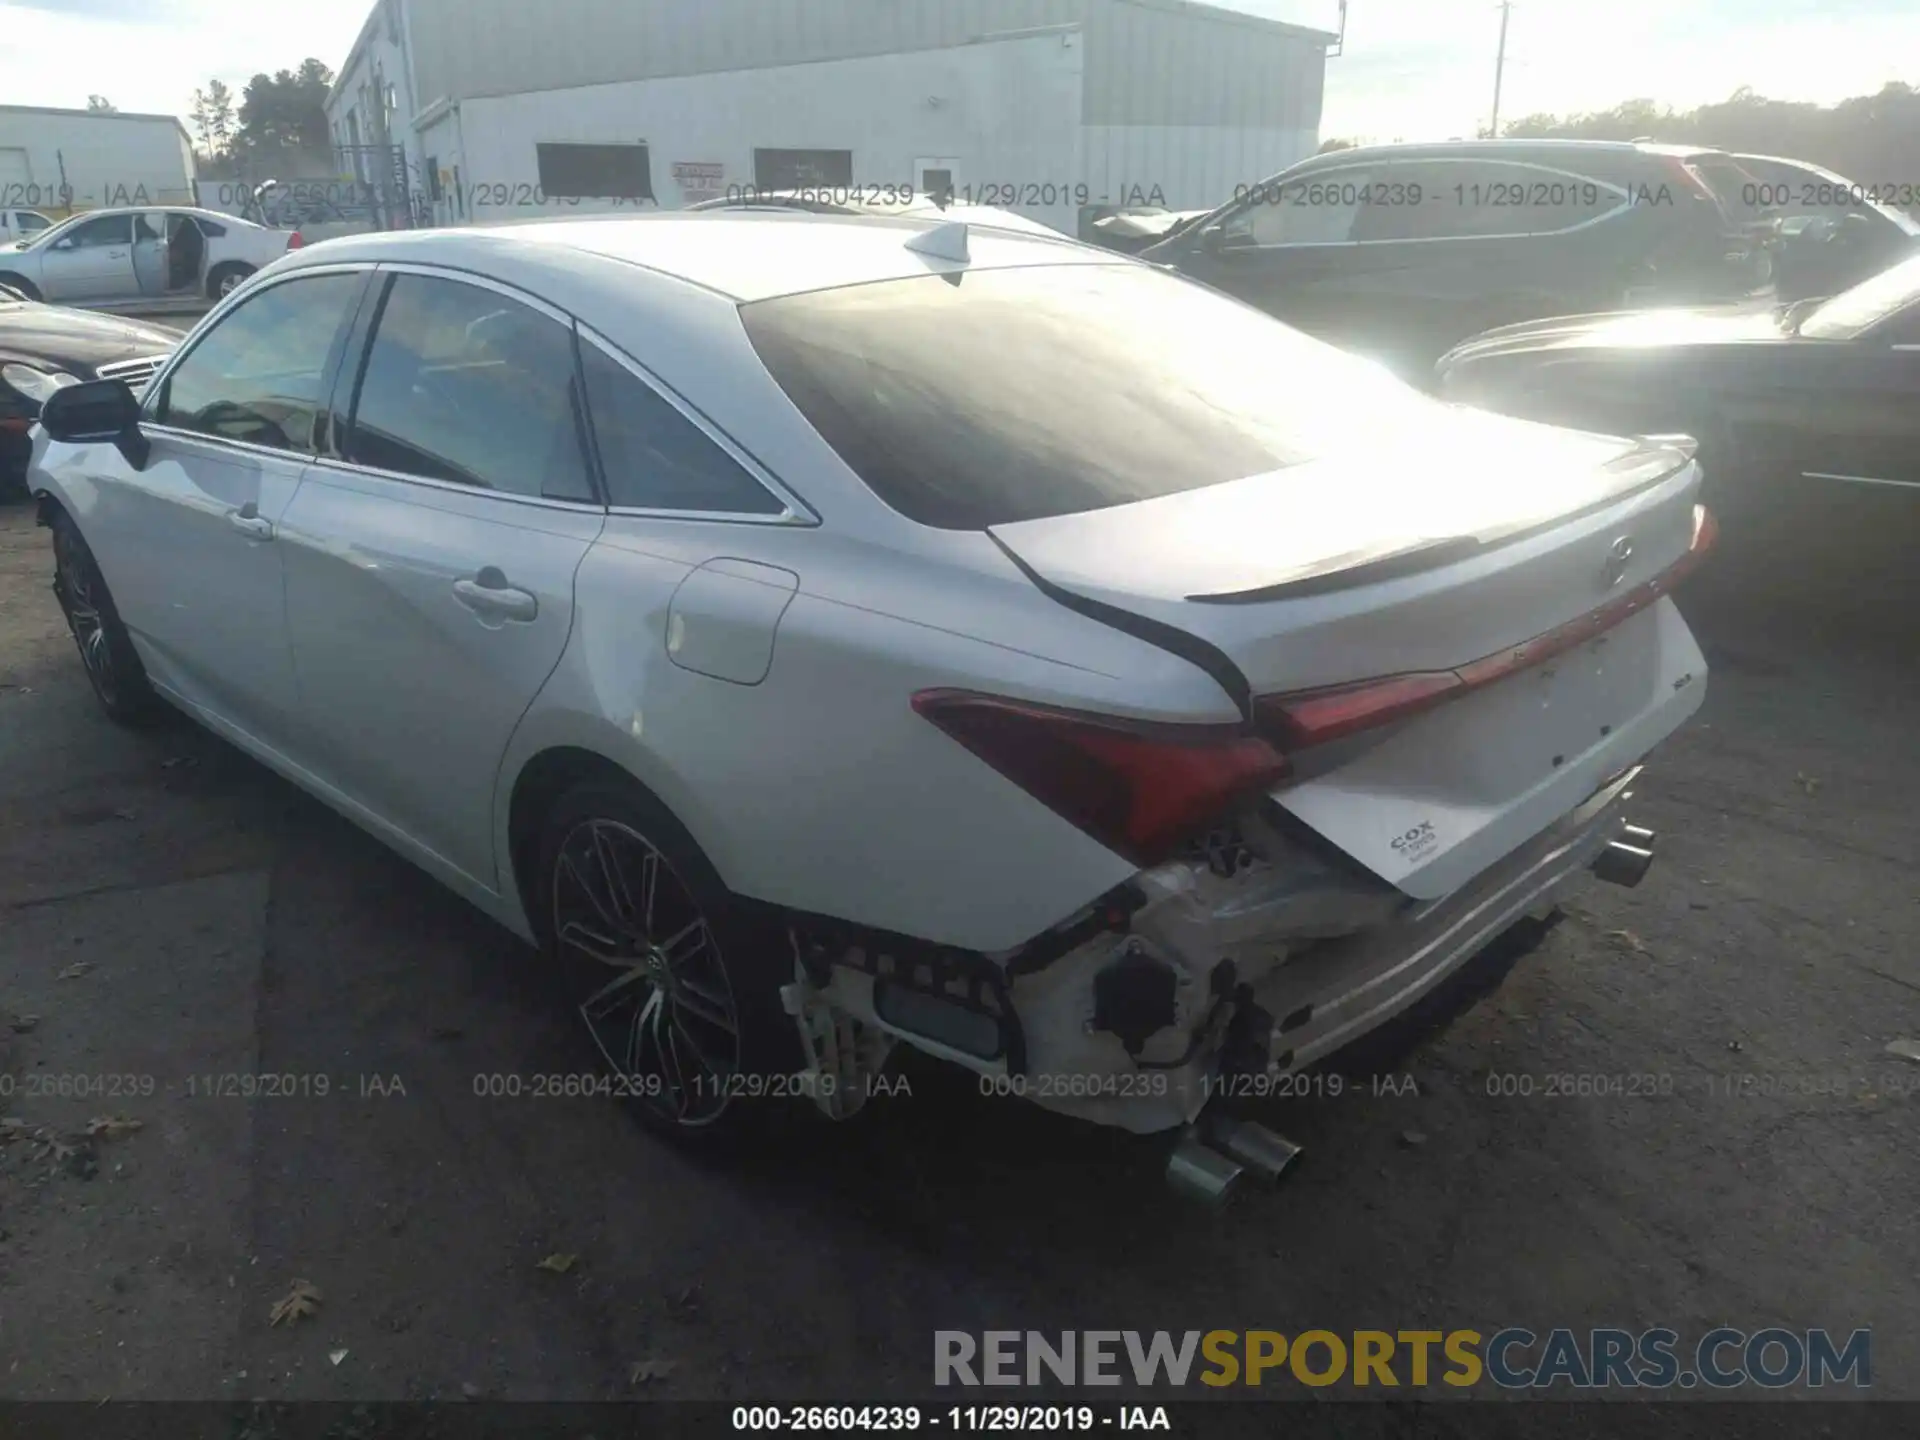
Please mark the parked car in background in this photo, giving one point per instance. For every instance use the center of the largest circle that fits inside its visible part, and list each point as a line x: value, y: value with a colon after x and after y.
x: 1833, y: 232
x: 44, y: 347
x: 1399, y: 252
x: 21, y: 225
x: 1808, y: 414
x: 821, y: 639
x: 909, y: 207
x: 153, y: 257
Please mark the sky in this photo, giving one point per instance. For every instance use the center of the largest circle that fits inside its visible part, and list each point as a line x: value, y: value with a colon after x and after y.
x: 1412, y: 69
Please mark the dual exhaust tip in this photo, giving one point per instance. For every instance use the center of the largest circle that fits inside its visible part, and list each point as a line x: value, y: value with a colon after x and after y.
x: 1626, y: 860
x: 1215, y: 1156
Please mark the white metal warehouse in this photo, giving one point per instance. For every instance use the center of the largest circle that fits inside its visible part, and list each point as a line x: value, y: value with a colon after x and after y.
x: 59, y: 160
x: 497, y: 109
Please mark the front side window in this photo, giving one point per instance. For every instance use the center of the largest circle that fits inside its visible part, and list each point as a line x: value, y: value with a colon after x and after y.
x: 1317, y: 210
x: 466, y: 385
x: 107, y: 231
x: 30, y: 223
x: 653, y: 457
x: 1017, y: 394
x: 257, y: 375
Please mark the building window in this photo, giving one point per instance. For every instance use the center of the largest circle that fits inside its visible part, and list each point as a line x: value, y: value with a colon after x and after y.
x: 595, y: 172
x: 434, y: 192
x: 802, y: 169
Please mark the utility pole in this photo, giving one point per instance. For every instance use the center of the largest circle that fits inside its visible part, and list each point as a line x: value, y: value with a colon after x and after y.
x: 1499, y: 69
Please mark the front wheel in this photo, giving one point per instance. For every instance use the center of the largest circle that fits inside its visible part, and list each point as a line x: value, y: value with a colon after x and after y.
x: 678, y: 986
x: 113, y: 667
x: 20, y: 283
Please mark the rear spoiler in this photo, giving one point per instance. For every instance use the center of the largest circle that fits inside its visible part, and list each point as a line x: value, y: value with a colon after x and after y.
x: 1653, y: 459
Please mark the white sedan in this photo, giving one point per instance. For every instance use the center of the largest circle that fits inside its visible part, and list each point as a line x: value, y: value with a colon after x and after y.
x: 154, y: 257
x: 824, y: 635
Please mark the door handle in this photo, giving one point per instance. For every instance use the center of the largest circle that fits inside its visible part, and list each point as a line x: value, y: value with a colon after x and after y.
x: 489, y: 594
x: 248, y: 522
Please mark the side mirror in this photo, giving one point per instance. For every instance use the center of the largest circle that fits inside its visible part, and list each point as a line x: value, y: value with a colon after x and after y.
x: 95, y: 412
x: 65, y: 242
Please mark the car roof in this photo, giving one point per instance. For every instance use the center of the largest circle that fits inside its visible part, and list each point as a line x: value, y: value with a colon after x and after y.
x: 1502, y: 149
x: 219, y: 216
x: 745, y: 255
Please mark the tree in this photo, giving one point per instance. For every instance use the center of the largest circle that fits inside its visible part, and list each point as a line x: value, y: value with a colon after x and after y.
x: 100, y: 105
x: 1328, y: 146
x: 285, y: 112
x: 213, y: 118
x: 1872, y: 139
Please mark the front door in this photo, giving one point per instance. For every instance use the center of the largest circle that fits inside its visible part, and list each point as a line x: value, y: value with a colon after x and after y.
x: 92, y: 261
x: 190, y: 541
x: 431, y: 560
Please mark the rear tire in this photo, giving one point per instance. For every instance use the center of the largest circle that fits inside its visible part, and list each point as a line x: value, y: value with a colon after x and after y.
x: 227, y: 278
x: 113, y: 667
x: 676, y: 982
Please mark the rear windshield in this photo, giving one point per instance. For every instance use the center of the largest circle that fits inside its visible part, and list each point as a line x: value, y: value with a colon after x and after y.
x: 994, y: 396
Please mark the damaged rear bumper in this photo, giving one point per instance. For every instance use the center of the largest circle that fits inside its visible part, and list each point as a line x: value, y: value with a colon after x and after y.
x: 1315, y: 1001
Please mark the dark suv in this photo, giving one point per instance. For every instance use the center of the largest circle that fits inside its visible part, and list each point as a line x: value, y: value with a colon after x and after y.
x: 1402, y: 251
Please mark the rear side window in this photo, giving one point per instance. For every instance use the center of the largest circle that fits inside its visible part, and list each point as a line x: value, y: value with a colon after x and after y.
x: 653, y: 457
x: 1450, y: 200
x: 256, y: 376
x: 466, y: 385
x: 1003, y: 395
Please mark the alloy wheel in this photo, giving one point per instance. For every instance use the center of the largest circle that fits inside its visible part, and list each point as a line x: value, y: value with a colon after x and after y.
x: 79, y: 599
x: 661, y: 1008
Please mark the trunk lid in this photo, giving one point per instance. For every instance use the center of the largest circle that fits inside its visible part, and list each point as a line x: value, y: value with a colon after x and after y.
x: 1414, y: 558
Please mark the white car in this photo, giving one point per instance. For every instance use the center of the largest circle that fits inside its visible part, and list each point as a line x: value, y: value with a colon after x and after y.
x: 827, y: 635
x: 21, y: 225
x: 154, y: 257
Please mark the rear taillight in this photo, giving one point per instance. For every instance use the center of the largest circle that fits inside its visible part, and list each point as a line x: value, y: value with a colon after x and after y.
x: 295, y: 240
x: 1138, y: 787
x: 1314, y: 717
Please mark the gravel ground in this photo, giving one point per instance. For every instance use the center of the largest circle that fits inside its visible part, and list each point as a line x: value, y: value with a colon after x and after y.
x: 172, y: 913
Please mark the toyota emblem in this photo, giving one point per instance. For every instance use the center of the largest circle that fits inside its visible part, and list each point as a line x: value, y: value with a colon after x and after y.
x: 1619, y: 556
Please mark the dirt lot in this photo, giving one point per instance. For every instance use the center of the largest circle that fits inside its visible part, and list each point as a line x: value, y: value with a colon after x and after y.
x: 172, y: 913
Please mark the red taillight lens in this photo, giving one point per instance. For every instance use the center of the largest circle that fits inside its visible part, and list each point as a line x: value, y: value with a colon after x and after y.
x: 1316, y: 716
x: 1138, y: 787
x: 1313, y: 717
x: 295, y: 240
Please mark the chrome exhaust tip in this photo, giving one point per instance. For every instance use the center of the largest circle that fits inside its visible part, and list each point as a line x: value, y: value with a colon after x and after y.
x: 1264, y: 1154
x: 1197, y: 1171
x: 1637, y: 835
x: 1623, y: 864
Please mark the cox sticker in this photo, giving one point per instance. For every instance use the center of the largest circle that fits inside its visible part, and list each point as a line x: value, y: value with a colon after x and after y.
x: 1414, y: 843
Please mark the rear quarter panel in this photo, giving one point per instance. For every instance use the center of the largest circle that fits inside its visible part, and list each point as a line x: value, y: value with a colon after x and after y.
x: 819, y: 788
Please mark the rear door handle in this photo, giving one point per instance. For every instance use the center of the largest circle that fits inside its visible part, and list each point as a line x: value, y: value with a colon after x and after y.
x: 491, y: 595
x: 248, y: 522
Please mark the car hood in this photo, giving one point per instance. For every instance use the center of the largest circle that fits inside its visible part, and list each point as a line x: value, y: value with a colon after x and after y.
x: 57, y: 335
x: 1626, y: 330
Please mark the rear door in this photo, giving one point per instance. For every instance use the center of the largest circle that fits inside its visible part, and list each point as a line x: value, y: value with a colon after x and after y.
x: 431, y: 553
